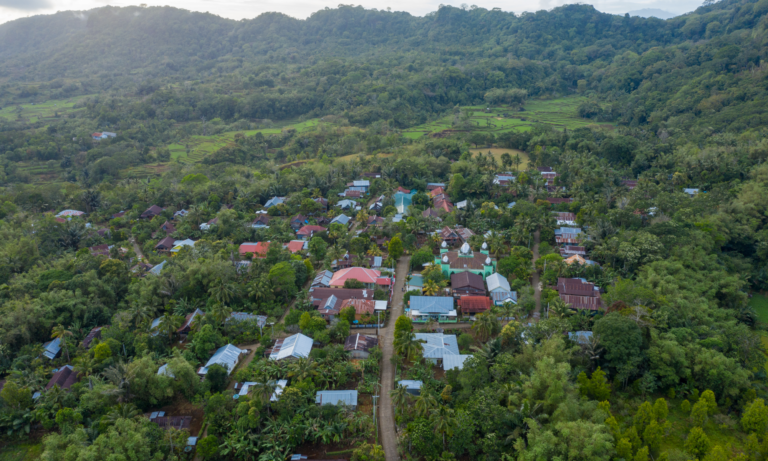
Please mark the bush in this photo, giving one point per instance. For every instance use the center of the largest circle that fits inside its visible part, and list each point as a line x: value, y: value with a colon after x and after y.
x: 208, y: 447
x: 216, y: 378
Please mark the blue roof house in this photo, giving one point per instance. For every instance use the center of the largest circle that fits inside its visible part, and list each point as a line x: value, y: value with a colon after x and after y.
x: 426, y: 308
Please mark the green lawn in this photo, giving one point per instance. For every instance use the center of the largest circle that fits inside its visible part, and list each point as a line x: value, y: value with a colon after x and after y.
x: 21, y: 452
x: 760, y: 304
x: 33, y: 113
x: 560, y: 113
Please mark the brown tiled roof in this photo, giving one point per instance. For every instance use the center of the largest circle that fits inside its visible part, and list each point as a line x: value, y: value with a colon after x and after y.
x: 152, y: 211
x: 473, y: 304
x: 582, y: 302
x: 310, y: 230
x: 362, y: 306
x: 476, y: 261
x: 358, y: 342
x: 99, y: 250
x: 93, y: 334
x: 578, y: 294
x: 64, y: 378
x: 565, y: 216
x: 467, y: 279
x: 319, y: 294
x: 261, y: 219
x: 165, y: 244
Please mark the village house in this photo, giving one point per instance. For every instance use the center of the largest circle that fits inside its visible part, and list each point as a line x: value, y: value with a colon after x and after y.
x: 565, y: 218
x: 471, y: 305
x: 497, y: 282
x: 359, y: 346
x: 425, y: 308
x: 368, y: 277
x: 437, y: 346
x: 579, y: 293
x: 261, y: 221
x: 347, y: 398
x: 308, y: 231
x: 274, y: 201
x: 291, y: 348
x: 467, y: 283
x: 151, y: 212
x: 258, y: 249
x: 568, y: 235
x: 227, y: 356
x: 297, y: 222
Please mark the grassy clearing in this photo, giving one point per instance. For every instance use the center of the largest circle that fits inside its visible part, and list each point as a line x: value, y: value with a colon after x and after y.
x: 21, y: 452
x: 760, y: 304
x: 200, y: 146
x: 498, y: 151
x: 33, y: 113
x: 559, y: 113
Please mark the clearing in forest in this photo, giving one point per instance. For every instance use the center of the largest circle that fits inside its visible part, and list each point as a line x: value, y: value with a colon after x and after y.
x: 498, y: 151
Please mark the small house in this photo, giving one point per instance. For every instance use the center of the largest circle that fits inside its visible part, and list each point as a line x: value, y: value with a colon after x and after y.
x: 274, y: 201
x: 227, y: 356
x: 186, y: 327
x: 52, y: 349
x: 426, y: 308
x: 497, y: 282
x: 502, y: 297
x: 93, y: 334
x: 165, y: 244
x: 348, y: 398
x: 454, y: 362
x: 292, y: 347
x: 258, y: 249
x: 437, y: 346
x: 307, y: 232
x: 178, y: 245
x: 322, y: 280
x: 151, y: 212
x: 342, y: 219
x: 298, y: 221
x: 64, y: 378
x: 471, y: 305
x: 261, y: 221
x: 411, y: 386
x: 467, y: 284
x: 359, y: 346
x: 368, y: 277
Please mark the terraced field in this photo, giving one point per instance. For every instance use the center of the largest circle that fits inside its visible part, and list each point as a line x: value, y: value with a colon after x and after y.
x: 200, y: 146
x: 560, y: 113
x: 33, y: 113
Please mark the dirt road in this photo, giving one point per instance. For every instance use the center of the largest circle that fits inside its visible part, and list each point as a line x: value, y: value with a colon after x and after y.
x: 536, y: 281
x: 386, y: 409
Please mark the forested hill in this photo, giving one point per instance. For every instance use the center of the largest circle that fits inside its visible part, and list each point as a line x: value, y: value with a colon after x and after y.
x: 161, y: 40
x: 699, y: 64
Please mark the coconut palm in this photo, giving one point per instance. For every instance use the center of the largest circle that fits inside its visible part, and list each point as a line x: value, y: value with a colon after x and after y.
x: 489, y: 351
x: 220, y: 312
x: 121, y: 376
x: 85, y: 364
x: 559, y: 309
x: 302, y: 369
x: 62, y: 334
x: 259, y: 289
x: 408, y: 346
x: 430, y: 288
x: 485, y: 325
x: 169, y: 324
x: 400, y: 398
x: 141, y: 314
x: 443, y: 420
x: 264, y: 391
x: 425, y: 403
x: 222, y: 291
x: 121, y: 411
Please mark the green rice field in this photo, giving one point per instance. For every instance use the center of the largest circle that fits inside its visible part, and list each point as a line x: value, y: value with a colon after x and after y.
x: 33, y: 113
x: 559, y: 113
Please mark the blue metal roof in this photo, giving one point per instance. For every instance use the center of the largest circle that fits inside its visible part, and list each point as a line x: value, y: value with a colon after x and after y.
x: 432, y: 304
x: 52, y: 348
x: 336, y: 398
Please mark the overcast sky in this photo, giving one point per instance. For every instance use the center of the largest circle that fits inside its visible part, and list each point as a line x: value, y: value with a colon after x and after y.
x: 239, y: 9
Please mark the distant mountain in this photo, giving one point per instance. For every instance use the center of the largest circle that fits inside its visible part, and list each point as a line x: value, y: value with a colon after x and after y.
x: 653, y: 13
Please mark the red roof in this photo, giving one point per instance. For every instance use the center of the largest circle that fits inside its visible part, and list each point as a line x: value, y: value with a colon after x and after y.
x: 258, y: 249
x: 310, y: 230
x: 403, y: 190
x: 436, y: 192
x: 362, y: 306
x: 353, y: 193
x: 96, y: 135
x: 383, y: 281
x: 473, y: 304
x: 354, y: 273
x: 294, y: 246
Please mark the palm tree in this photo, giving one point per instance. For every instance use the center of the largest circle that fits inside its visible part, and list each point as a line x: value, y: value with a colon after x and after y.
x: 85, y: 364
x: 425, y: 403
x: 121, y: 411
x: 559, y: 309
x: 169, y: 324
x: 220, y: 312
x: 489, y: 351
x: 400, y: 398
x: 302, y: 369
x: 121, y: 375
x: 141, y: 314
x: 62, y: 334
x: 443, y: 420
x: 263, y: 391
x: 222, y: 291
x: 408, y: 346
x: 430, y: 288
x: 259, y: 288
x: 485, y: 325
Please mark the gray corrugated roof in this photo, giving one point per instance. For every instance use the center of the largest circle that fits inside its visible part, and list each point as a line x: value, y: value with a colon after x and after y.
x: 336, y: 397
x: 341, y: 219
x: 497, y: 282
x: 431, y: 304
x: 226, y: 356
x: 454, y: 361
x: 156, y: 270
x: 438, y: 345
x: 261, y: 320
x: 52, y: 348
x: 410, y: 384
x: 296, y: 346
x: 323, y: 279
